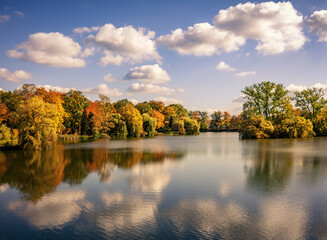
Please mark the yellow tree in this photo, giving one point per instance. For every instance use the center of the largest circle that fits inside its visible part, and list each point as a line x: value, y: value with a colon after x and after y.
x: 38, y: 122
x: 133, y: 119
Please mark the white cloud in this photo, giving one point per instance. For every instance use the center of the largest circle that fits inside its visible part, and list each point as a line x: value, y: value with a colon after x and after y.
x: 148, y: 73
x: 108, y: 78
x: 17, y: 76
x: 5, y: 186
x: 53, y: 88
x: 318, y: 24
x: 222, y: 66
x: 168, y: 101
x: 239, y: 99
x: 4, y: 18
x: 295, y: 88
x: 133, y: 45
x: 19, y: 14
x: 134, y: 101
x: 276, y: 26
x: 111, y: 59
x: 52, y: 211
x: 81, y: 30
x: 150, y: 88
x: 87, y: 52
x: 202, y: 39
x: 103, y: 89
x: 244, y: 74
x: 52, y: 49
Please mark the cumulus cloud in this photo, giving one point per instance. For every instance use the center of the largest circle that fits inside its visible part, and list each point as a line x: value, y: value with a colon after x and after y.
x: 295, y: 88
x: 87, y: 52
x: 4, y: 18
x: 148, y: 73
x: 111, y: 59
x: 244, y: 74
x: 3, y: 187
x: 52, y: 49
x: 134, y: 101
x: 52, y: 211
x: 318, y: 24
x: 108, y: 78
x: 17, y: 76
x: 53, y: 88
x: 222, y: 66
x: 276, y: 26
x: 19, y: 14
x: 202, y: 39
x: 133, y: 45
x: 81, y: 30
x: 168, y: 101
x: 150, y: 88
x: 103, y: 89
x: 239, y: 99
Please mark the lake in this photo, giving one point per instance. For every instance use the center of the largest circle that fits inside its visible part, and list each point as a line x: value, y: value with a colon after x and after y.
x: 170, y: 187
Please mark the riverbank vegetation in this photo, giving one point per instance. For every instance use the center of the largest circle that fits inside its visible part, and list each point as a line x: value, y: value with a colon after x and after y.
x: 33, y: 117
x: 271, y: 111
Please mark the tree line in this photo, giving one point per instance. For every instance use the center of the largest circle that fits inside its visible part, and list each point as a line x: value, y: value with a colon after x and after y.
x: 271, y: 111
x: 33, y: 117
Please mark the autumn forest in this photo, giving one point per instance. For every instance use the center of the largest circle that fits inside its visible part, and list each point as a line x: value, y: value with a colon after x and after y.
x: 32, y: 117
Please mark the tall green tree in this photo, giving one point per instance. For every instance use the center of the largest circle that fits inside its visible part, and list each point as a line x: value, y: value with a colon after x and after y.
x: 265, y: 98
x: 311, y: 101
x: 74, y: 104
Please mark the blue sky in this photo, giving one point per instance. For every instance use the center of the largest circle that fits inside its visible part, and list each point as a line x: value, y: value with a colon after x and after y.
x: 39, y: 41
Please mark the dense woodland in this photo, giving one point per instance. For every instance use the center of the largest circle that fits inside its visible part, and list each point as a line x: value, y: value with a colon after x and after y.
x: 33, y: 117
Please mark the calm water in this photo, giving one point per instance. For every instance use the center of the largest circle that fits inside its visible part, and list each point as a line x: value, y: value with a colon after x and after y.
x: 197, y: 187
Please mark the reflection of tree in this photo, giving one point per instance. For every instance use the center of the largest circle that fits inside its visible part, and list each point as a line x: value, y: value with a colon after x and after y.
x: 35, y: 173
x: 270, y: 169
x: 314, y: 168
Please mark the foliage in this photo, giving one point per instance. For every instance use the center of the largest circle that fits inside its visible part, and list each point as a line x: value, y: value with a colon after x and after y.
x: 256, y: 127
x: 38, y: 123
x: 133, y: 120
x: 74, y: 104
x: 265, y: 98
x: 119, y: 129
x: 178, y: 126
x: 5, y: 135
x: 180, y: 111
x: 192, y: 127
x: 149, y: 124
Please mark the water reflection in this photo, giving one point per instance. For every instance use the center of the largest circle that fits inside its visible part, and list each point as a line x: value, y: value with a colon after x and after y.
x: 270, y: 170
x: 206, y: 218
x: 199, y: 187
x: 36, y: 173
x: 52, y: 211
x: 269, y: 164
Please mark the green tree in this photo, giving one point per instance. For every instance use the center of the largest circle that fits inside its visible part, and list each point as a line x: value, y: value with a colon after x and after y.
x: 149, y: 124
x: 180, y: 111
x: 311, y: 101
x: 204, y: 121
x: 216, y: 120
x: 119, y: 129
x: 74, y: 104
x: 265, y: 98
x: 178, y: 126
x: 192, y: 127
